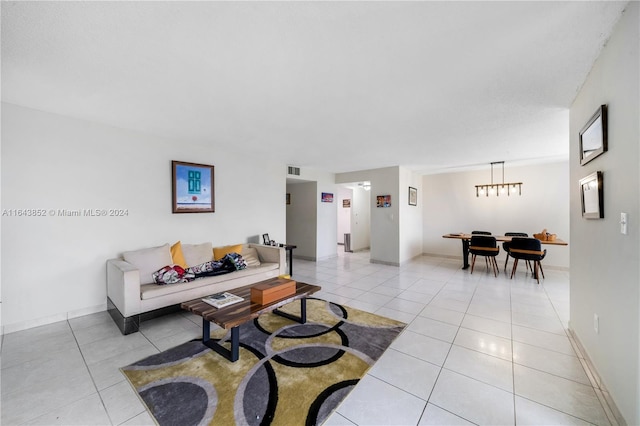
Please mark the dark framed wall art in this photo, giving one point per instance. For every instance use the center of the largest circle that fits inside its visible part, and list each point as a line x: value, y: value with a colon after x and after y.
x: 413, y: 196
x: 192, y: 188
x: 592, y: 196
x: 593, y: 136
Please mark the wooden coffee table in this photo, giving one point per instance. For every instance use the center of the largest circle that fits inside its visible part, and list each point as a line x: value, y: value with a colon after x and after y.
x: 233, y: 316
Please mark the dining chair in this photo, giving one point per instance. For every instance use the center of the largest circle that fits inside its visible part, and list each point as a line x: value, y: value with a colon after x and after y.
x: 482, y: 233
x: 484, y: 245
x: 505, y: 245
x: 529, y: 249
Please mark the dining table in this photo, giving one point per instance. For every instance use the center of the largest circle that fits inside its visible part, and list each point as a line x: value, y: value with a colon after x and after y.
x: 466, y: 238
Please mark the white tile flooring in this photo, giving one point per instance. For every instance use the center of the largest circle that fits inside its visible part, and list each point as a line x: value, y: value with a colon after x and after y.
x: 477, y: 350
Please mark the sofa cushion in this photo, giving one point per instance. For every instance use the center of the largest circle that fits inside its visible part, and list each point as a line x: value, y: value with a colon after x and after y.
x: 220, y: 252
x: 177, y: 256
x: 149, y: 260
x: 196, y: 254
x: 251, y: 256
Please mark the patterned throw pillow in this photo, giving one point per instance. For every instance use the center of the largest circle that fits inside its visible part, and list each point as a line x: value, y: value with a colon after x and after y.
x: 206, y: 267
x: 236, y: 260
x: 172, y: 275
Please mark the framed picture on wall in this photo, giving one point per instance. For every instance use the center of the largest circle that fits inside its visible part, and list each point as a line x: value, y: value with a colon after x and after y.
x: 346, y: 203
x: 593, y: 136
x: 288, y: 198
x: 383, y: 200
x: 592, y: 196
x: 413, y: 196
x: 327, y: 197
x: 192, y: 188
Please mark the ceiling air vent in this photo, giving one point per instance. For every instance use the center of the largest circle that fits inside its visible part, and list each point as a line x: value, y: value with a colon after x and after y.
x: 291, y: 170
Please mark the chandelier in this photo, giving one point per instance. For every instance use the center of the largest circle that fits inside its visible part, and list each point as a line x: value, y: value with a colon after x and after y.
x: 498, y: 188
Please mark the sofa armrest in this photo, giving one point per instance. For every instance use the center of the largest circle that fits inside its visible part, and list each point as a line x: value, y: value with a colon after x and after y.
x: 272, y: 254
x: 123, y: 286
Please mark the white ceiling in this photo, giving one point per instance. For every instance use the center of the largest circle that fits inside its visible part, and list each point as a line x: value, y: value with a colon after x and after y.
x: 340, y: 86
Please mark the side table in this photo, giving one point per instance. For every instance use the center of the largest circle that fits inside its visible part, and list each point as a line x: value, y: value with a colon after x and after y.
x: 289, y: 248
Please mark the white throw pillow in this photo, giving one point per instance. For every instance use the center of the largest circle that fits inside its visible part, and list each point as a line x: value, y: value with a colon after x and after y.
x: 196, y: 254
x: 149, y: 260
x: 250, y: 255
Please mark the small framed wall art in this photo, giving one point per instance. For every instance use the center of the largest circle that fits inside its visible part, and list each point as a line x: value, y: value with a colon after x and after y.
x: 383, y: 200
x: 413, y: 196
x: 346, y: 203
x: 592, y: 196
x: 593, y: 136
x: 288, y: 198
x: 192, y: 188
x: 327, y: 197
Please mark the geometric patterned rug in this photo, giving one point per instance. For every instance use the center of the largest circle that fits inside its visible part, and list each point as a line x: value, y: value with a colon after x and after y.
x: 287, y: 374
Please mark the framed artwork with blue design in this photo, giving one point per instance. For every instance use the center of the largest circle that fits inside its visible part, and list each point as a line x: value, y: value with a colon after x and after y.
x: 192, y: 188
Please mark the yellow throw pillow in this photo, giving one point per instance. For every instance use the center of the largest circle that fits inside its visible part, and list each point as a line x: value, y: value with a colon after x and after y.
x: 220, y: 252
x: 177, y: 256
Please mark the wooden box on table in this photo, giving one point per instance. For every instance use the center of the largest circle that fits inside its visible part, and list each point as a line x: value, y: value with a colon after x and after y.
x: 268, y: 291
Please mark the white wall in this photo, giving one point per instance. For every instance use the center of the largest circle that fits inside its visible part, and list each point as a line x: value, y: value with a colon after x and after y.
x: 322, y: 222
x: 411, y: 221
x: 605, y: 275
x: 302, y: 219
x: 360, y: 220
x: 327, y: 218
x: 385, y: 228
x: 385, y: 238
x: 344, y: 213
x: 450, y: 205
x: 54, y: 267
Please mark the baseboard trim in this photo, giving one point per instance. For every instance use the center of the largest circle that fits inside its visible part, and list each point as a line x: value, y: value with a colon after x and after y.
x: 384, y: 262
x: 610, y: 407
x: 309, y: 258
x: 444, y: 256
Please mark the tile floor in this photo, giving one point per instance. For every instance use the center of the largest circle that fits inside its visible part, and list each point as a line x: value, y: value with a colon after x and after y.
x: 477, y: 350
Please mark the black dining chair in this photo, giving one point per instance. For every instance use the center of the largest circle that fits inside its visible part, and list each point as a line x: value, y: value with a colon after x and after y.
x: 505, y: 245
x: 529, y: 249
x: 484, y: 245
x: 482, y: 233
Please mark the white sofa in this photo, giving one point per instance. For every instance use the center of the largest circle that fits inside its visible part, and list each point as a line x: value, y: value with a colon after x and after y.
x: 133, y: 297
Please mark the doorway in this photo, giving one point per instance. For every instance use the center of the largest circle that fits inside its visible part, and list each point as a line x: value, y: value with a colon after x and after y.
x: 354, y: 217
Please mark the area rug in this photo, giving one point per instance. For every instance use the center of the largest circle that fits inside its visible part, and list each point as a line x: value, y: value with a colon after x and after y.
x: 287, y: 374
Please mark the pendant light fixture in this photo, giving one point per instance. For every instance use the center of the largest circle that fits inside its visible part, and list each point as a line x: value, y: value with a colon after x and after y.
x: 499, y: 188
